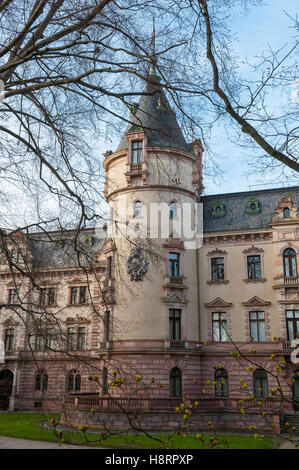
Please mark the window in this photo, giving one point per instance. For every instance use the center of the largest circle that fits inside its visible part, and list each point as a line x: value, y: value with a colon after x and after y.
x: 76, y: 338
x: 109, y: 267
x: 47, y: 296
x: 175, y: 382
x: 286, y: 213
x: 137, y: 209
x: 173, y: 263
x: 137, y: 151
x: 221, y: 379
x: 43, y: 340
x: 107, y: 326
x: 9, y: 339
x: 254, y: 267
x: 39, y: 342
x: 292, y: 319
x: 217, y: 268
x: 81, y: 338
x: 41, y: 381
x: 78, y: 295
x: 219, y: 326
x: 74, y: 382
x: 260, y: 383
x: 257, y: 326
x: 172, y: 210
x: 13, y: 297
x: 289, y: 263
x: 71, y: 339
x: 174, y: 324
x: 105, y: 381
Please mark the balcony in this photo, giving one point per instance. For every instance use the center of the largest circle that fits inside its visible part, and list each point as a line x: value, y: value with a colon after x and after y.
x: 176, y: 344
x: 135, y: 167
x: 286, y: 281
x: 294, y: 280
x: 175, y: 280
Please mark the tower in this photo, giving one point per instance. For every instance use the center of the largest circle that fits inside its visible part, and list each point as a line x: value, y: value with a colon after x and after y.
x: 154, y: 317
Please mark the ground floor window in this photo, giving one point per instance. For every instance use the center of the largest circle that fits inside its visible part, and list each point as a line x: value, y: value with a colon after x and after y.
x: 74, y: 381
x: 175, y: 382
x: 41, y: 381
x: 260, y: 383
x: 221, y: 379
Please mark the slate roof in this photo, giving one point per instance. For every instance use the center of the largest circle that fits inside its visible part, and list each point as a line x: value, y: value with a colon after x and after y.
x: 156, y: 118
x: 235, y: 204
x: 48, y: 255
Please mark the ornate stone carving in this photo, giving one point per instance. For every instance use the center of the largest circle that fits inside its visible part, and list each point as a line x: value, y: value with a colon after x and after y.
x: 137, y: 265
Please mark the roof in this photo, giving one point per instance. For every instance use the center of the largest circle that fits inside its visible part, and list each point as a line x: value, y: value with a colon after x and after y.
x: 236, y: 204
x: 154, y: 116
x: 56, y: 250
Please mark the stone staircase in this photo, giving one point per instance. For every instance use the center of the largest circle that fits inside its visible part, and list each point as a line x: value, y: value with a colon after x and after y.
x: 293, y: 420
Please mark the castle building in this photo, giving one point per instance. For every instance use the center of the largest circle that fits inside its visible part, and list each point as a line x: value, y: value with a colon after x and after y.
x: 190, y: 321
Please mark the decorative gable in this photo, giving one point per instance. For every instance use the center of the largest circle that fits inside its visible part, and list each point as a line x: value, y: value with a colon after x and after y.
x: 218, y: 302
x: 285, y: 212
x: 256, y: 302
x: 175, y: 298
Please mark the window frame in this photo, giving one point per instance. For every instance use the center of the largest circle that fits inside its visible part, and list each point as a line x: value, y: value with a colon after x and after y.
x: 74, y: 339
x: 258, y: 322
x: 136, y: 152
x: 221, y: 389
x: 175, y: 383
x: 254, y: 264
x: 219, y: 278
x: 295, y: 323
x: 175, y: 324
x: 9, y: 342
x: 222, y: 331
x: 41, y: 381
x: 173, y: 264
x: 258, y: 384
x: 75, y: 293
x: 288, y: 264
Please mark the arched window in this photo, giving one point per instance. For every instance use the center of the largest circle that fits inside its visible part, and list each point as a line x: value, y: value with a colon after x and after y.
x: 175, y: 382
x: 137, y: 209
x: 74, y: 381
x: 41, y: 381
x: 289, y: 263
x: 286, y: 213
x: 172, y: 210
x: 260, y: 383
x: 221, y: 388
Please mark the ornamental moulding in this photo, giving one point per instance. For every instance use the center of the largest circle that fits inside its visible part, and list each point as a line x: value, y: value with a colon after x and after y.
x: 218, y: 302
x: 77, y: 320
x: 253, y: 249
x: 256, y: 302
x: 137, y: 265
x: 217, y: 252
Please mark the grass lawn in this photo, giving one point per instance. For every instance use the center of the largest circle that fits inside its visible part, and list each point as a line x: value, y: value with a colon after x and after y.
x: 27, y: 426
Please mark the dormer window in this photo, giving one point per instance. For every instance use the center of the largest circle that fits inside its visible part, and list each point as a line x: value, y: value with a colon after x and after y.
x: 137, y: 209
x: 137, y: 151
x: 286, y: 213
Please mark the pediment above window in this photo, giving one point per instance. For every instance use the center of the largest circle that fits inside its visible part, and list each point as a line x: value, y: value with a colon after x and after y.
x: 217, y: 252
x: 253, y: 249
x: 256, y: 302
x: 10, y: 322
x: 76, y: 320
x: 218, y: 302
x: 175, y: 298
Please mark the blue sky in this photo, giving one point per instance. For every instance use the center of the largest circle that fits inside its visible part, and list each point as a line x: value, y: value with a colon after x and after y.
x: 258, y: 28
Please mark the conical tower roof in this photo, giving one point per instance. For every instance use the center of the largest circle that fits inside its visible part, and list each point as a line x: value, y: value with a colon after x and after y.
x: 154, y: 116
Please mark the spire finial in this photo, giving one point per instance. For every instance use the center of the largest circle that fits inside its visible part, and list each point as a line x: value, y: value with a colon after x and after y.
x: 153, y: 45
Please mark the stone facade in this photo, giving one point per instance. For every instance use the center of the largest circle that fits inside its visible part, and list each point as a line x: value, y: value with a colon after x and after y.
x: 154, y: 306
